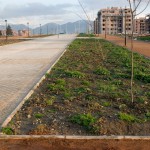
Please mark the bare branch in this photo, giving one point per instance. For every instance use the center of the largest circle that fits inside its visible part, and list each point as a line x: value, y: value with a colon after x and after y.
x: 85, y: 12
x: 144, y: 8
x: 137, y: 6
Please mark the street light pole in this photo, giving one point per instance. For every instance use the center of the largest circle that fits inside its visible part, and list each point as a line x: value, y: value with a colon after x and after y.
x: 28, y: 28
x: 40, y: 29
x: 6, y: 29
x: 47, y: 29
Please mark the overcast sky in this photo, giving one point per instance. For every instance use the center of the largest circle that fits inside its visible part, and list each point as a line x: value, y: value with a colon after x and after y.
x: 59, y: 11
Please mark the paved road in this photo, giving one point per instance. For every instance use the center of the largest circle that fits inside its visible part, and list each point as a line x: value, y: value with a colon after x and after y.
x: 23, y: 64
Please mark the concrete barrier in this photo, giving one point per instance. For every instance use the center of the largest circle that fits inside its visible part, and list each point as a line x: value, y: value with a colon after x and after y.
x: 74, y: 143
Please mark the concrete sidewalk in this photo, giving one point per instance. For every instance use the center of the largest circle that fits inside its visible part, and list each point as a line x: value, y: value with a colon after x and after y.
x: 23, y: 64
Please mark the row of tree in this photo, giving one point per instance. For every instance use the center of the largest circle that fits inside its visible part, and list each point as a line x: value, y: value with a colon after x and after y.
x: 9, y: 31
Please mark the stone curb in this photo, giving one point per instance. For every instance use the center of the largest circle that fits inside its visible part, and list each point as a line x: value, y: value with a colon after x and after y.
x: 8, y: 119
x: 74, y: 137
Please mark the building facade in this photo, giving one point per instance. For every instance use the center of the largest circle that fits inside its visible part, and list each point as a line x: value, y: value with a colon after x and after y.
x: 113, y: 20
x: 140, y: 25
x: 148, y: 24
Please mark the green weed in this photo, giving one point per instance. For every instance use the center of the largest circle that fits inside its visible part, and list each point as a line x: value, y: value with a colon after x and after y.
x: 38, y: 116
x: 51, y: 100
x: 8, y: 131
x: 102, y: 71
x: 74, y: 74
x: 106, y: 104
x: 127, y: 117
x: 86, y: 120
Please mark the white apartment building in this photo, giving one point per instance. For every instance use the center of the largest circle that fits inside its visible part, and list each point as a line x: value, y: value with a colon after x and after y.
x: 113, y: 20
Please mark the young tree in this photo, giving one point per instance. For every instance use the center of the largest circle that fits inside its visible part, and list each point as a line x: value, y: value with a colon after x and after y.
x: 1, y: 33
x: 9, y: 30
x: 134, y: 5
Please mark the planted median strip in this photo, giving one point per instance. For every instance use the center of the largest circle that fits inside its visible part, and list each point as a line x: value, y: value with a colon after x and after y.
x: 88, y: 93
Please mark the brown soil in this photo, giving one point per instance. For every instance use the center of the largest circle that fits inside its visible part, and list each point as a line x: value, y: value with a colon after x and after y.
x: 10, y: 40
x: 139, y: 46
x: 73, y: 144
x: 64, y: 94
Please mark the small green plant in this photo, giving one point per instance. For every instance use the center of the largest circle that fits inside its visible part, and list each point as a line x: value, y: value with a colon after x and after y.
x: 38, y: 116
x: 102, y: 71
x: 82, y: 90
x: 141, y: 76
x: 147, y: 115
x: 86, y: 120
x: 86, y: 83
x: 51, y: 100
x: 74, y: 74
x: 117, y: 82
x: 8, y: 131
x: 61, y: 82
x: 106, y: 104
x: 51, y: 111
x: 107, y: 88
x: 127, y: 117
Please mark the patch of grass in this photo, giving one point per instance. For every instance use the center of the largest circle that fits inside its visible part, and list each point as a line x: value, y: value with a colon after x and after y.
x: 74, y: 74
x: 106, y: 104
x: 85, y: 120
x: 107, y: 88
x: 141, y: 76
x: 86, y: 35
x: 38, y: 115
x: 127, y: 117
x: 117, y: 82
x: 8, y: 131
x: 102, y: 71
x: 144, y: 38
x: 51, y: 100
x: 147, y: 116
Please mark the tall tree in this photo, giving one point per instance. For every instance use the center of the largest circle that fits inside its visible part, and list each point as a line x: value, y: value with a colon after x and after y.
x: 134, y: 5
x: 9, y: 30
x: 1, y: 33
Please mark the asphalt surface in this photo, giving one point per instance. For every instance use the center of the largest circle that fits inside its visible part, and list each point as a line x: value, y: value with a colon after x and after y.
x: 23, y: 64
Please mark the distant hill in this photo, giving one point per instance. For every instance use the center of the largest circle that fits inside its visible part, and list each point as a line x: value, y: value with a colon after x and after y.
x: 53, y: 28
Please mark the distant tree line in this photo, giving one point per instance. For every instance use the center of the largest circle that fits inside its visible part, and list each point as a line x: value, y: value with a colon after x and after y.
x: 9, y: 31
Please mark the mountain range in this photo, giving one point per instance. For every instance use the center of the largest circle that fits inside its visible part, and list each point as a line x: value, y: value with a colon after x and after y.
x: 80, y: 26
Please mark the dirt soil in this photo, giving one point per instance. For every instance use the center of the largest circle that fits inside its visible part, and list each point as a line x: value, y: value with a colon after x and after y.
x: 73, y: 144
x: 11, y: 40
x: 86, y: 95
x: 139, y: 46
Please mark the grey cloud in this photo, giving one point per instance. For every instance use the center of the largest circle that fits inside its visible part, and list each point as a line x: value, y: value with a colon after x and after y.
x: 34, y: 9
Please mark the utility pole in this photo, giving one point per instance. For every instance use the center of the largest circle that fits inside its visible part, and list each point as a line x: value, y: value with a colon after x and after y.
x: 6, y: 29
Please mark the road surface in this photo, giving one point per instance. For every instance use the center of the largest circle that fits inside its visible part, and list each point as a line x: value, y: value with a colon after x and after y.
x: 23, y: 64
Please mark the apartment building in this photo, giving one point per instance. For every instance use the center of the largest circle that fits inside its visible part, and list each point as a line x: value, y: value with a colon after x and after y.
x: 23, y: 32
x: 113, y: 20
x: 140, y: 25
x: 148, y: 24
